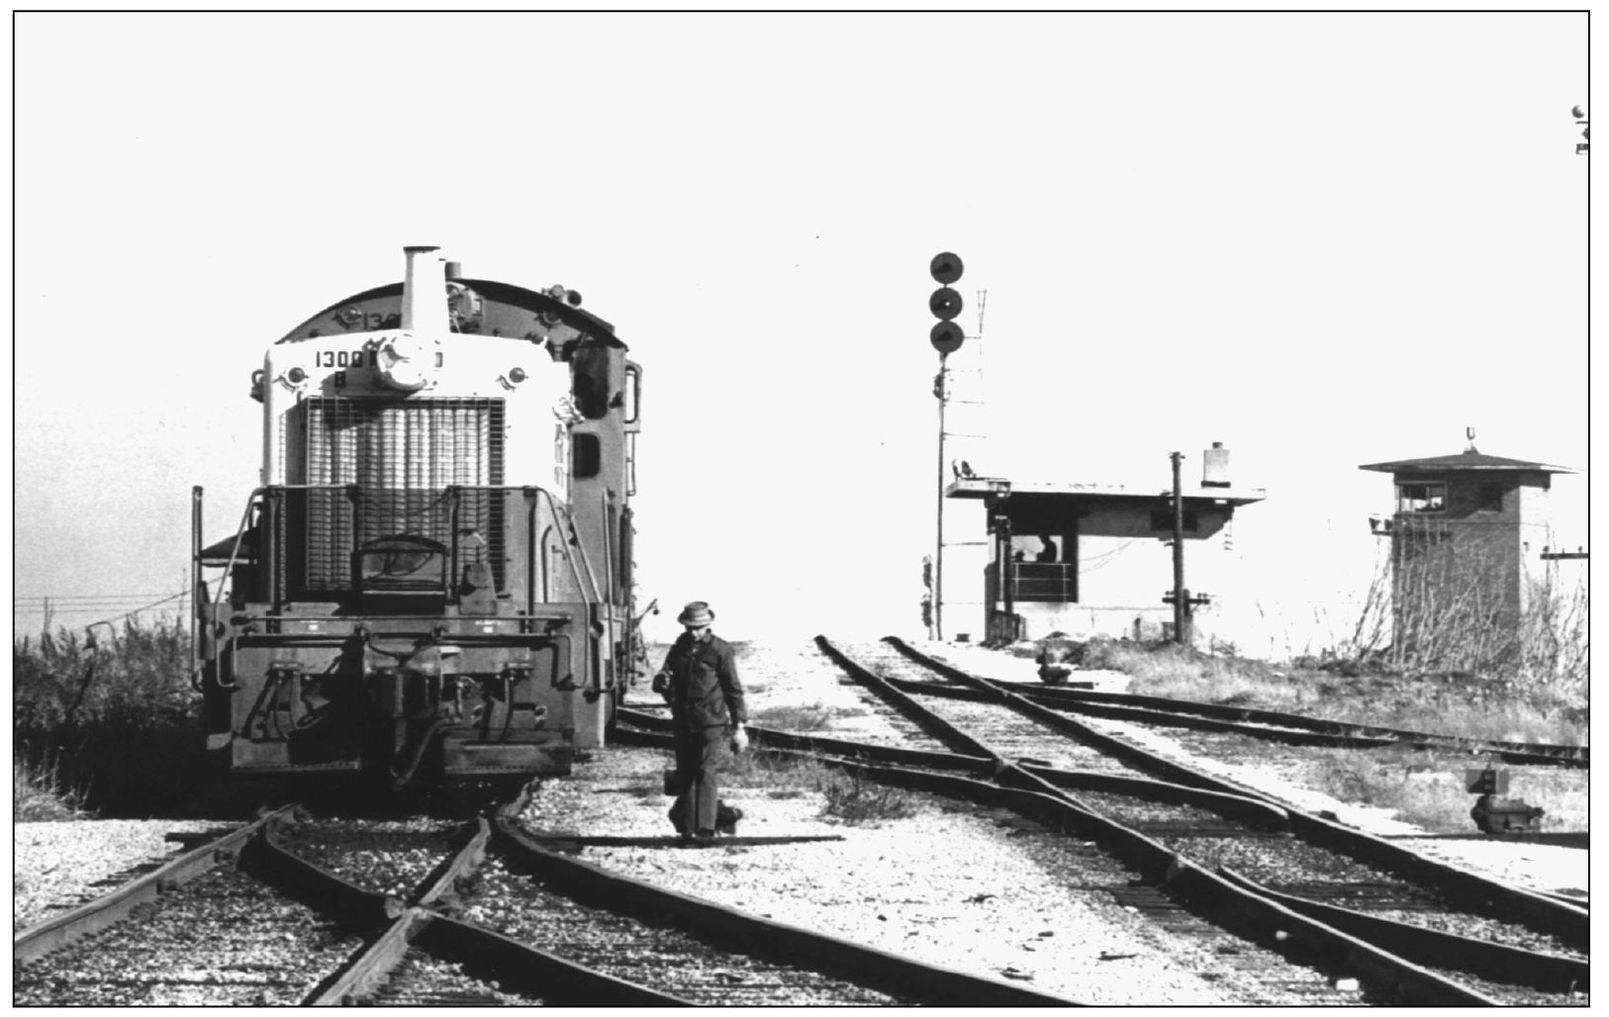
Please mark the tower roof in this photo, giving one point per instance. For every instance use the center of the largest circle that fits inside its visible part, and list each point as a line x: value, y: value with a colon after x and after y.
x: 1466, y: 460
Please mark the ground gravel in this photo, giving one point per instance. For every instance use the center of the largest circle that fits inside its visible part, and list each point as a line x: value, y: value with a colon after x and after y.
x: 56, y: 865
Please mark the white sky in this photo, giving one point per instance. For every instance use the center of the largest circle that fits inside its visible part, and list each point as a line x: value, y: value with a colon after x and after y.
x: 1324, y: 240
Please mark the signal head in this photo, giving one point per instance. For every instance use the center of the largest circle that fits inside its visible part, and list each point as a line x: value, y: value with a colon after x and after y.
x: 946, y: 337
x: 945, y: 303
x: 945, y: 268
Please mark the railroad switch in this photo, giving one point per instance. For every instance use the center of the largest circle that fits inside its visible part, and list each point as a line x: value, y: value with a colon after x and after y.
x: 1495, y: 813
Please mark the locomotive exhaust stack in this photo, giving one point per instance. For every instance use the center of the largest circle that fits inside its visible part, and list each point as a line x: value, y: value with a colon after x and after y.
x: 424, y: 291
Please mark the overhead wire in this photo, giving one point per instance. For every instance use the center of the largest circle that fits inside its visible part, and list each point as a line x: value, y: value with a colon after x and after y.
x: 88, y: 605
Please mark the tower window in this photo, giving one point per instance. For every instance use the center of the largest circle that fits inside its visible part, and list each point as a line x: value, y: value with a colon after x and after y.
x: 1421, y: 498
x: 1490, y: 498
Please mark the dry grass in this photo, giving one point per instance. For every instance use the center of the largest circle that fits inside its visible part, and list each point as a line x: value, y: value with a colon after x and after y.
x: 1422, y: 788
x: 38, y: 793
x: 858, y: 802
x: 845, y: 796
x: 813, y: 717
x: 1455, y: 703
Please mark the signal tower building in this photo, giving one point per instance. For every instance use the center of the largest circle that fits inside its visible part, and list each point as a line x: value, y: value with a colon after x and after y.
x: 1468, y: 541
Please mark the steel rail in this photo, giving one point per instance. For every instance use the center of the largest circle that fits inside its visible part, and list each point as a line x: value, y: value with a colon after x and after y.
x: 1162, y: 710
x: 1299, y: 730
x: 1252, y: 811
x: 1415, y: 944
x: 370, y: 968
x: 1537, y: 911
x: 442, y: 883
x: 787, y: 739
x: 514, y: 966
x: 570, y: 844
x: 1172, y: 772
x: 1289, y: 736
x: 491, y: 955
x: 531, y: 971
x: 43, y: 937
x: 1492, y: 961
x: 900, y: 976
x: 1233, y: 908
x: 266, y: 858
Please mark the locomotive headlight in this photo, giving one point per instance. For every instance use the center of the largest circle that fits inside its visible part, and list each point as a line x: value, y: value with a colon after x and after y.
x: 516, y: 374
x: 296, y: 375
x: 407, y: 361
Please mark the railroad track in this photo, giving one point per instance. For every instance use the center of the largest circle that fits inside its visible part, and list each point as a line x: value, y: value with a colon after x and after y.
x: 429, y: 913
x: 1271, y: 725
x: 1541, y: 957
x: 196, y: 930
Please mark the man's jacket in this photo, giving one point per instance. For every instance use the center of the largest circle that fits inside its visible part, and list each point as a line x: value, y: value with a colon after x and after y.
x: 704, y: 686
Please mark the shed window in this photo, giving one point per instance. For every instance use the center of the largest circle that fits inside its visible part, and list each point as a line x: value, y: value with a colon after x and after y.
x: 1421, y: 497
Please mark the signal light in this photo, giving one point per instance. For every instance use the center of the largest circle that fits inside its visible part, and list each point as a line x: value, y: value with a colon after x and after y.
x: 946, y: 337
x: 945, y: 303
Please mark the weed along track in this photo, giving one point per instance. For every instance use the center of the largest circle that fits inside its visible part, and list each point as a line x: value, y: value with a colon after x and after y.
x: 1494, y: 942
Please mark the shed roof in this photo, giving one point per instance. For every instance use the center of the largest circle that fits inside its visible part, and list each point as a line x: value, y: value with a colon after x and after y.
x: 1469, y: 459
x: 984, y: 488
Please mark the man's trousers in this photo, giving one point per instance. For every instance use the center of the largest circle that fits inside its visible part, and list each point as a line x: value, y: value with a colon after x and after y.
x: 699, y: 754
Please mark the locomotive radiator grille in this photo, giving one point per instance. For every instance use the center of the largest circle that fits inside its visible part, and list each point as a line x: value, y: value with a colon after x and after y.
x: 402, y: 456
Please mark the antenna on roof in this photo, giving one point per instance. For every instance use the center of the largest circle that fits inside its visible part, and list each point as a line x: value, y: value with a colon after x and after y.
x: 1469, y: 433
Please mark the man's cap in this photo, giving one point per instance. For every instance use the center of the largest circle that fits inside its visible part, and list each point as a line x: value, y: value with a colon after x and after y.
x: 696, y: 614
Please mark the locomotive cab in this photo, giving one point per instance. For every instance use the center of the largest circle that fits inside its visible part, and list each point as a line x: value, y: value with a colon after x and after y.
x: 435, y: 575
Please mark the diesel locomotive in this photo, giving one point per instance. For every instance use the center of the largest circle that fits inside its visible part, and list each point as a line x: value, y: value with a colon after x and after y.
x: 434, y: 579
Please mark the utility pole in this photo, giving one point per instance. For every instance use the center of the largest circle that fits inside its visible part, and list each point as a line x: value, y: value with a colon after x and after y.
x: 1181, y: 606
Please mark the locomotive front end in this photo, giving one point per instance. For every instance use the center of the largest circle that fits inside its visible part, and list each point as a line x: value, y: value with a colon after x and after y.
x: 434, y: 577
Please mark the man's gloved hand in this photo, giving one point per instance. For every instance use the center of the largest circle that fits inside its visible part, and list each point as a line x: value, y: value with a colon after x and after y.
x: 740, y: 739
x: 662, y: 683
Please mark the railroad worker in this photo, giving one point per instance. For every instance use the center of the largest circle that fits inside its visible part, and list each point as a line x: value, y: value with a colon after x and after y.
x: 701, y: 683
x: 1048, y: 552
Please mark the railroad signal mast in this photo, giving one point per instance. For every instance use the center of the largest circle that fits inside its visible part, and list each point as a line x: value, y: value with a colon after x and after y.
x: 946, y: 336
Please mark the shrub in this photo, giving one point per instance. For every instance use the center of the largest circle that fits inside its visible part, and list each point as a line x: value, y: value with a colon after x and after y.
x: 1436, y: 612
x: 116, y: 722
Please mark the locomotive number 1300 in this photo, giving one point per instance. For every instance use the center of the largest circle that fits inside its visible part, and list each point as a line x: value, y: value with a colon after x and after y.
x: 345, y: 358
